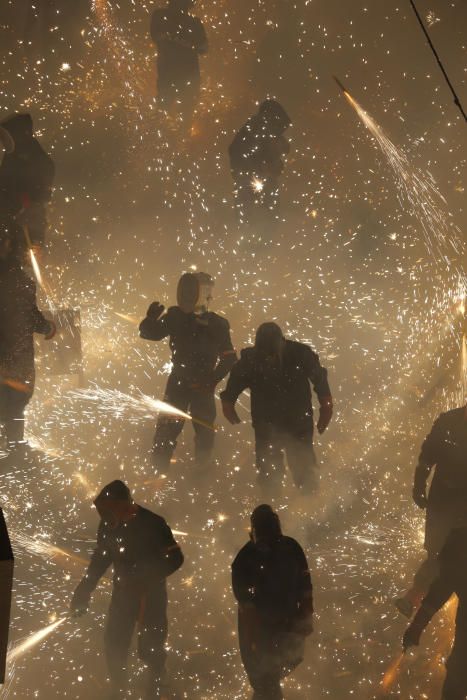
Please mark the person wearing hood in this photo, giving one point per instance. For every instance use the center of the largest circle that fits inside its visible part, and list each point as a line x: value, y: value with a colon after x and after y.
x: 26, y: 180
x: 143, y: 552
x: 256, y: 160
x: 19, y: 320
x: 451, y: 579
x: 271, y: 582
x: 202, y: 355
x: 180, y: 39
x: 444, y: 452
x: 278, y: 373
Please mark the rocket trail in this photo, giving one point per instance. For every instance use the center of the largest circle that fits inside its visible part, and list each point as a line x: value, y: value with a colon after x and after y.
x: 34, y: 639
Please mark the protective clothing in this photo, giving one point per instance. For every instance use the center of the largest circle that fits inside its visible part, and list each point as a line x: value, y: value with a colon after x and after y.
x: 19, y: 320
x: 452, y: 578
x: 444, y: 451
x: 256, y: 160
x: 180, y: 39
x: 143, y: 552
x: 7, y: 145
x: 26, y: 180
x: 281, y: 408
x: 272, y: 584
x: 202, y: 355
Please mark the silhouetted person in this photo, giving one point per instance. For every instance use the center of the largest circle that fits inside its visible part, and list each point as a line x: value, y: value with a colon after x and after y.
x: 142, y: 550
x: 256, y: 161
x: 278, y: 373
x: 19, y: 320
x: 445, y: 451
x: 180, y: 39
x: 272, y: 584
x: 202, y: 355
x: 451, y: 579
x: 26, y: 180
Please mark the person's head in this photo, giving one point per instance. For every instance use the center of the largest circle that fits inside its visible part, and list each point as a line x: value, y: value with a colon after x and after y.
x: 20, y: 127
x: 194, y: 292
x: 274, y: 116
x: 269, y: 341
x: 115, y: 504
x: 182, y: 5
x: 265, y: 524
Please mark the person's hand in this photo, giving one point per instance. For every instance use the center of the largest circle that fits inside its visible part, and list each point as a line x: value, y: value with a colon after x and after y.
x: 325, y: 414
x: 156, y: 310
x: 419, y: 496
x: 52, y: 331
x: 411, y: 637
x: 230, y: 413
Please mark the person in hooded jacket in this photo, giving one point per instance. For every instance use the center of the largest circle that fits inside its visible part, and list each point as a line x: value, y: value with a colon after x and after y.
x: 180, y: 39
x: 257, y: 160
x: 272, y: 584
x: 443, y: 453
x: 278, y: 373
x: 202, y: 355
x: 26, y: 180
x: 451, y: 579
x: 19, y: 320
x: 143, y: 552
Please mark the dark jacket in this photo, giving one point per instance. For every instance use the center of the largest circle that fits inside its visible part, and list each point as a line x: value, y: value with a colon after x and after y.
x: 445, y: 448
x: 180, y: 39
x: 143, y: 553
x: 274, y: 578
x: 19, y: 320
x: 280, y: 394
x: 452, y: 579
x: 256, y: 152
x: 26, y: 177
x: 202, y: 349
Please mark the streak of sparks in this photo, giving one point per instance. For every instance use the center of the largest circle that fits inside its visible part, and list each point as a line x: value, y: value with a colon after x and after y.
x: 23, y: 647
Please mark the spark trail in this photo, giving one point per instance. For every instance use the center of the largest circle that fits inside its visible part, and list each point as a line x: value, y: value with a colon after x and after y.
x: 34, y: 639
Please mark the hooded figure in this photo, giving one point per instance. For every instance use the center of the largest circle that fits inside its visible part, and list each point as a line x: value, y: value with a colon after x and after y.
x: 180, y: 39
x: 202, y: 355
x: 272, y: 584
x: 26, y: 180
x: 141, y: 548
x: 19, y: 320
x: 256, y: 159
x: 451, y: 579
x: 278, y: 373
x: 444, y: 451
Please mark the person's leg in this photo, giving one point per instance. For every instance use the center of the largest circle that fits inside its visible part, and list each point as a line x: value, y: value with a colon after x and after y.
x: 455, y: 683
x: 203, y: 409
x: 269, y: 457
x: 301, y: 460
x: 121, y: 620
x: 168, y: 427
x: 152, y: 636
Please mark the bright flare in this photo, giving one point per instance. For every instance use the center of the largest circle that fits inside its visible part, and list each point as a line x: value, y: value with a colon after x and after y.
x: 31, y: 641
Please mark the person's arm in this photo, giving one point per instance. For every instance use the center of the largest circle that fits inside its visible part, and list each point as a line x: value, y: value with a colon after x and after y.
x: 153, y: 327
x: 227, y: 354
x: 39, y: 323
x: 201, y: 44
x: 100, y: 562
x: 426, y: 461
x: 171, y: 554
x: 238, y: 381
x: 305, y: 594
x: 158, y: 27
x: 242, y: 585
x: 318, y: 376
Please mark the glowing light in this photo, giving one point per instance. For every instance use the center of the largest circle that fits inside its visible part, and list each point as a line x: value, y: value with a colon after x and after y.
x: 34, y: 639
x: 35, y: 267
x: 257, y: 184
